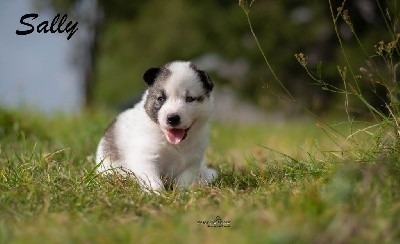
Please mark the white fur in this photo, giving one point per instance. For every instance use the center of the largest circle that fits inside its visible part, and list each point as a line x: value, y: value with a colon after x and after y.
x: 143, y: 145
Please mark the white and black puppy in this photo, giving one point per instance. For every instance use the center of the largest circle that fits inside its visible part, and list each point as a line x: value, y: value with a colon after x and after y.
x: 162, y: 139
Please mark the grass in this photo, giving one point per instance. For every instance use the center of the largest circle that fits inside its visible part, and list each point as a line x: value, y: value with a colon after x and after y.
x: 49, y: 192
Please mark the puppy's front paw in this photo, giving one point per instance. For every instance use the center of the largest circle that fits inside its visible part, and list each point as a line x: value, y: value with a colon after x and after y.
x: 209, y: 175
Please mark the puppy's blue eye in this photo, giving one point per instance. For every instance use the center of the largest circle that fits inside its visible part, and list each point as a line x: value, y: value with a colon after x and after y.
x: 161, y: 99
x: 189, y: 99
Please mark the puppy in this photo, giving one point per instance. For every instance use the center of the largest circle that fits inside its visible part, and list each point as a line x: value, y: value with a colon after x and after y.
x: 162, y: 139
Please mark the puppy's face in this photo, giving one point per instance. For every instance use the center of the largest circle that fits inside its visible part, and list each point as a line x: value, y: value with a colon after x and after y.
x: 179, y: 97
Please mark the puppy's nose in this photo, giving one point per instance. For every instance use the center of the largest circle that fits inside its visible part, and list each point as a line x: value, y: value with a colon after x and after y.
x: 173, y: 119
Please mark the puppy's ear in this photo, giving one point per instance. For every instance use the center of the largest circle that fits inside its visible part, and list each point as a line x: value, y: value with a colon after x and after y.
x: 205, y: 79
x: 150, y: 75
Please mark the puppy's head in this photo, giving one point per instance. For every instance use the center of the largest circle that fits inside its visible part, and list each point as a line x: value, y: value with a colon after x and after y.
x: 179, y: 97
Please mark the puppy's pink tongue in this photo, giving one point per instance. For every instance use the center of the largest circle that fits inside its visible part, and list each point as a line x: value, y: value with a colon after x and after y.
x: 174, y: 136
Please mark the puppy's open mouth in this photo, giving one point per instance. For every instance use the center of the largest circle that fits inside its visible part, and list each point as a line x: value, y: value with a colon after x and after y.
x: 174, y: 136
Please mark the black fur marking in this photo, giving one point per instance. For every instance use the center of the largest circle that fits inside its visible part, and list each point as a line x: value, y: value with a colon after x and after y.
x: 207, y: 83
x: 193, y: 67
x: 200, y: 99
x: 205, y: 79
x: 153, y: 75
x: 150, y: 75
x: 152, y: 105
x: 110, y: 144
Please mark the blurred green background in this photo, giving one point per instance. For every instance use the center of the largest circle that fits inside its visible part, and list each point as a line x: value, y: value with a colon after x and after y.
x: 133, y: 36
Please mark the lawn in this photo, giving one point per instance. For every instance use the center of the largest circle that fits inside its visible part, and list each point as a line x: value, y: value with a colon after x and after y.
x: 287, y: 181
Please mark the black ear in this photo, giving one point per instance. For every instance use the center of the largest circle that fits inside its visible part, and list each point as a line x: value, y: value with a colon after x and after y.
x: 150, y: 75
x: 207, y: 83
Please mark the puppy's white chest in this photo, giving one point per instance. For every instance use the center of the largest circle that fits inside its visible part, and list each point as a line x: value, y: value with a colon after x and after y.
x: 173, y: 160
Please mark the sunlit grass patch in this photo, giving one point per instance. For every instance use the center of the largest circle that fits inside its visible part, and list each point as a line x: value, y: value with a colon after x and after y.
x: 270, y: 186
